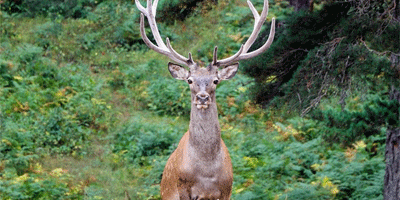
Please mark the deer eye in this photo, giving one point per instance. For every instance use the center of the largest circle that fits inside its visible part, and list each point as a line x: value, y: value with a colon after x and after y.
x: 216, y: 81
x: 189, y: 81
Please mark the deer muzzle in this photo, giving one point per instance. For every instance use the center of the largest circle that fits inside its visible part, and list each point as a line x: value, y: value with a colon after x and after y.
x: 202, y: 100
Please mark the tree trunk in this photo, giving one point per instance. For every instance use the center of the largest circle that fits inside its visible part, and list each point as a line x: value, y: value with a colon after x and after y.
x: 392, y: 176
x: 391, y: 186
x: 392, y: 156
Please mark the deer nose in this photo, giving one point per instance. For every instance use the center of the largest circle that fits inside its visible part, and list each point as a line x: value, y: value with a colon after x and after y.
x: 202, y: 98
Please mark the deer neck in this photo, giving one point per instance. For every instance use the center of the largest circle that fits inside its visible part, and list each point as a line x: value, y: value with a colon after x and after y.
x: 205, y: 133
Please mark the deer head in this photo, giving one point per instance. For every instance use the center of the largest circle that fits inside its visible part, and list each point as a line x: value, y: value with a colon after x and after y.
x: 203, y: 81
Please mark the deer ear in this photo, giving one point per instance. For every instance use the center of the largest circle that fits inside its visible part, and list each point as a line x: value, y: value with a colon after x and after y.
x: 178, y: 71
x: 228, y: 72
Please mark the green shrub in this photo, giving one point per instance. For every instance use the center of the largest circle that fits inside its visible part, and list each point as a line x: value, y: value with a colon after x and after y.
x: 127, y: 35
x: 233, y: 96
x: 307, y: 170
x: 60, y: 132
x: 35, y: 135
x: 130, y: 76
x: 89, y: 41
x: 308, y: 128
x: 5, y: 74
x: 278, y: 170
x: 44, y: 33
x: 169, y: 96
x: 360, y: 178
x: 350, y: 125
x: 43, y: 111
x: 6, y: 27
x: 176, y: 10
x: 16, y: 146
x: 39, y: 185
x: 31, y: 8
x: 139, y: 141
x: 225, y: 46
x: 28, y: 53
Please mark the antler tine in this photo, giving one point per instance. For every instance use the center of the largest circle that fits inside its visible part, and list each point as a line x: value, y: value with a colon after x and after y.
x: 154, y: 9
x: 259, y: 21
x: 150, y: 13
x: 227, y: 60
x: 147, y: 40
x: 215, y: 61
x: 140, y: 7
x: 177, y: 55
x: 263, y: 48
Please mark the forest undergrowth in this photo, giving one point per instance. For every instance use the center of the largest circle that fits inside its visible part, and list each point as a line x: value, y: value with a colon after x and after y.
x: 88, y: 112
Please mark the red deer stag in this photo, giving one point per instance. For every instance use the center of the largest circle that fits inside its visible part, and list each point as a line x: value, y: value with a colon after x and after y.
x: 200, y: 168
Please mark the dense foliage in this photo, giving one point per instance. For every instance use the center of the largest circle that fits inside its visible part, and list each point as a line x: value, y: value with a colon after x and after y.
x: 87, y: 112
x: 31, y: 8
x: 341, y: 53
x: 323, y: 52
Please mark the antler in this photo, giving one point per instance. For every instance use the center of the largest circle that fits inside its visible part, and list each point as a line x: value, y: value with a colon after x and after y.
x: 150, y: 13
x: 166, y: 49
x: 242, y: 53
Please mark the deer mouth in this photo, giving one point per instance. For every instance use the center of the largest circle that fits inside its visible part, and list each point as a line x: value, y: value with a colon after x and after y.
x: 202, y: 101
x: 202, y: 106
